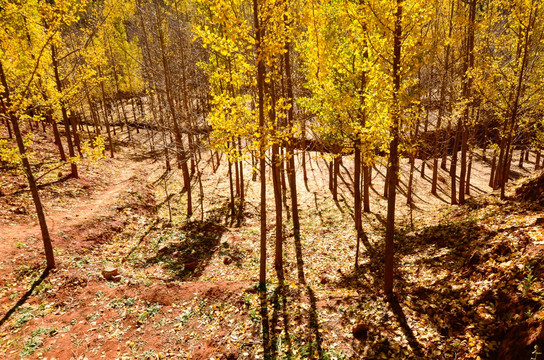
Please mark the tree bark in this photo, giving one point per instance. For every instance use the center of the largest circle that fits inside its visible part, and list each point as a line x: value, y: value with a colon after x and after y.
x: 393, y: 155
x: 5, y: 101
x: 65, y: 119
x: 262, y: 150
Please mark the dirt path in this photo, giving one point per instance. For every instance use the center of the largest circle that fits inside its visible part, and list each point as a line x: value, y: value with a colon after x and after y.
x: 71, y: 215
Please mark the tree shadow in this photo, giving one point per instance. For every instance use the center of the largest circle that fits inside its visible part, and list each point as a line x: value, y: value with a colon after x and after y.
x: 265, y: 333
x: 408, y: 333
x: 275, y: 313
x: 25, y: 296
x: 191, y: 254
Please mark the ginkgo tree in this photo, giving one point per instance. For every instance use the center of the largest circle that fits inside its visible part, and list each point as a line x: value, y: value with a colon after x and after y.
x: 31, y: 31
x: 343, y: 77
x: 509, y: 79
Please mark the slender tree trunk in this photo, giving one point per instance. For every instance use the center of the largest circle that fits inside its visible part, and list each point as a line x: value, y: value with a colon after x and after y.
x: 237, y: 175
x: 9, y: 131
x: 262, y: 150
x: 357, y: 197
x: 336, y: 170
x: 66, y: 122
x: 56, y: 134
x: 181, y: 154
x: 467, y: 94
x: 424, y: 154
x: 276, y: 181
x: 6, y: 103
x: 304, y: 171
x: 393, y: 155
x: 231, y: 187
x: 367, y: 176
x: 291, y: 175
x: 453, y: 168
x: 484, y: 147
x: 493, y: 167
x: 469, y: 170
x: 386, y: 184
x: 242, y: 191
x: 73, y: 123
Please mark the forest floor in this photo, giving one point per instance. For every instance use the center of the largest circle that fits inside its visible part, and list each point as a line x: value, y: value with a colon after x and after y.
x: 469, y: 279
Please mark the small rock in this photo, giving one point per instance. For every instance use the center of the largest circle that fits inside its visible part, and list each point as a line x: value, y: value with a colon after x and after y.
x: 360, y: 331
x: 231, y: 354
x: 191, y: 266
x: 110, y: 273
x: 227, y: 260
x: 324, y: 279
x: 163, y: 249
x: 59, y: 174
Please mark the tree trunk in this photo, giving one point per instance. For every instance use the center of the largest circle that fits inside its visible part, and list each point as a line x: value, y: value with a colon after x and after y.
x: 262, y: 150
x: 231, y: 187
x: 453, y: 168
x: 56, y: 134
x: 366, y: 188
x: 467, y: 93
x: 493, y: 168
x: 291, y: 175
x: 66, y: 122
x: 357, y: 197
x: 6, y: 102
x: 242, y: 191
x: 469, y: 170
x: 393, y: 156
x: 276, y: 181
x: 180, y: 153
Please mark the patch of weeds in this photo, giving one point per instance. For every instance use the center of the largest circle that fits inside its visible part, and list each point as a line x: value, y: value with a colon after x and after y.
x: 122, y: 302
x: 26, y: 270
x: 247, y: 299
x: 36, y: 340
x: 82, y: 262
x: 20, y: 245
x: 182, y: 319
x: 529, y: 280
x: 112, y: 284
x: 24, y: 318
x: 149, y: 312
x: 92, y: 317
x: 160, y: 323
x: 43, y: 287
x: 13, y: 296
x: 149, y: 354
x: 334, y: 355
x: 253, y: 315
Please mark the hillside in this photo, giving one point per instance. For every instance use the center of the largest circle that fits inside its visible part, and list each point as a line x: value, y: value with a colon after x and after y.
x: 469, y: 278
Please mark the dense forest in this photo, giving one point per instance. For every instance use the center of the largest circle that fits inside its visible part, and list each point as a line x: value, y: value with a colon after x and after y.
x: 288, y: 179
